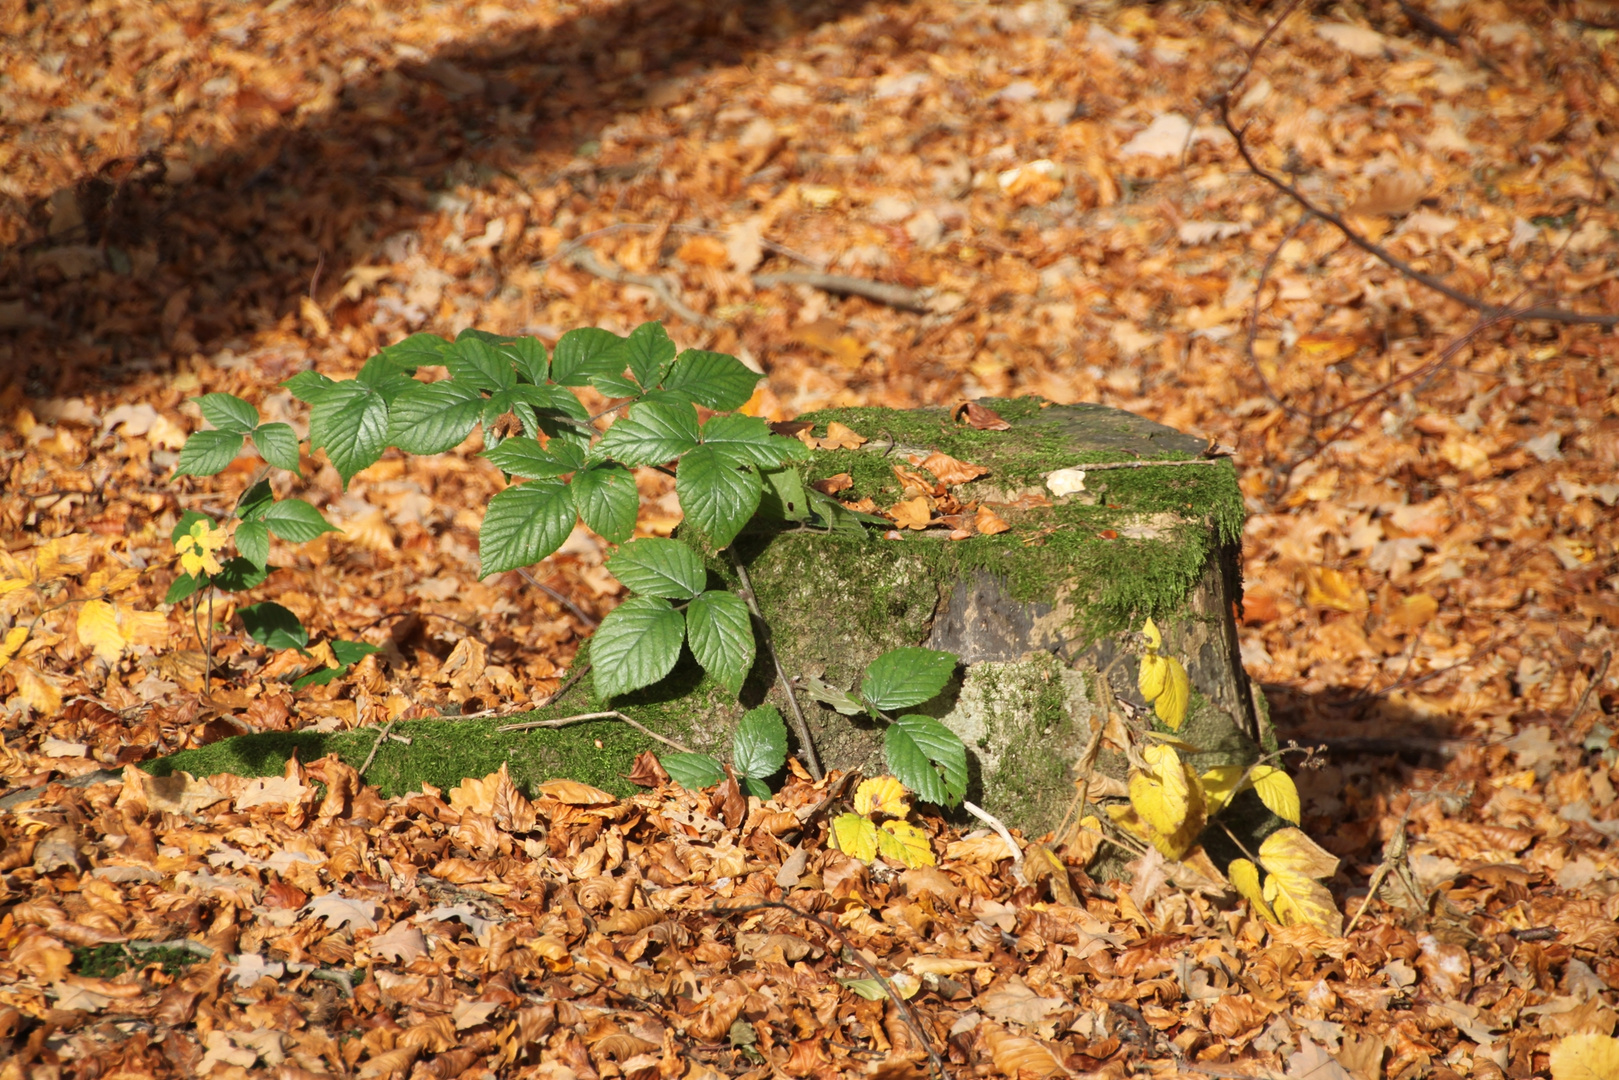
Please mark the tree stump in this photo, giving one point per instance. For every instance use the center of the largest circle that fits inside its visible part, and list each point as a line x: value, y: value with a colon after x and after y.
x: 1040, y: 615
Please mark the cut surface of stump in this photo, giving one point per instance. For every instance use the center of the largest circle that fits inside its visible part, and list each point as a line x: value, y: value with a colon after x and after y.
x: 1045, y: 617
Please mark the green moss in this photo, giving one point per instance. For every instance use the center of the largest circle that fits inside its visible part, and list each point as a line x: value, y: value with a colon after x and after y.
x: 111, y: 960
x: 442, y: 752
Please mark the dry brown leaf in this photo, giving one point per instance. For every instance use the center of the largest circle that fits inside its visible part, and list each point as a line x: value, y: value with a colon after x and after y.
x: 912, y: 514
x: 949, y: 470
x: 988, y: 522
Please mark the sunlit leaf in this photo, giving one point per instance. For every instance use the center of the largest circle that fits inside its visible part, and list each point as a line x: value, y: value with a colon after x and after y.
x: 1291, y: 850
x: 1298, y: 899
x: 759, y: 745
x: 1244, y: 877
x: 881, y: 795
x: 636, y: 645
x: 720, y: 633
x: 693, y: 772
x: 905, y: 844
x: 1586, y: 1055
x: 1277, y: 791
x: 855, y: 836
x: 98, y: 628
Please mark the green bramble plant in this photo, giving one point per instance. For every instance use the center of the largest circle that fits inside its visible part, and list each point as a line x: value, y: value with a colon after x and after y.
x: 731, y: 472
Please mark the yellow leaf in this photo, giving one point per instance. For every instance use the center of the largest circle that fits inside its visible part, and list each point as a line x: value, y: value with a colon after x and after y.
x: 904, y: 843
x: 1155, y: 640
x: 1169, y: 800
x: 98, y: 628
x: 144, y: 627
x: 1125, y: 817
x: 880, y: 795
x: 62, y: 555
x: 1329, y: 588
x: 1172, y: 703
x: 855, y: 836
x: 105, y: 581
x: 1298, y: 899
x: 1244, y: 877
x: 1277, y: 791
x: 38, y: 690
x: 11, y: 585
x: 1154, y: 676
x: 1220, y: 786
x: 1585, y: 1056
x: 912, y: 513
x: 1290, y: 851
x: 196, y: 547
x: 13, y: 641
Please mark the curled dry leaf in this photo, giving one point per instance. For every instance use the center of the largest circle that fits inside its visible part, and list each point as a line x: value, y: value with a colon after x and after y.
x: 988, y: 522
x: 834, y: 484
x: 1019, y: 1055
x: 949, y: 470
x: 912, y: 513
x: 980, y: 417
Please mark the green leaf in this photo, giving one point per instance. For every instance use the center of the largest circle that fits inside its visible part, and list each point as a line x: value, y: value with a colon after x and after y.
x: 277, y: 444
x: 759, y: 746
x: 386, y: 376
x: 227, y: 412
x: 188, y: 519
x: 351, y: 421
x: 607, y: 498
x: 616, y: 386
x: 715, y: 495
x: 758, y: 789
x: 239, y: 574
x: 255, y: 502
x: 523, y: 525
x: 183, y: 586
x: 585, y: 352
x: 909, y: 676
x: 273, y: 626
x: 473, y: 361
x: 694, y: 772
x: 649, y: 353
x: 352, y: 652
x: 253, y: 541
x: 309, y: 386
x: 658, y: 567
x: 721, y: 637
x: 208, y: 452
x: 527, y: 458
x: 651, y: 434
x: 839, y: 518
x: 417, y: 350
x: 748, y: 440
x: 636, y: 645
x: 918, y: 749
x: 567, y: 420
x: 827, y: 694
x: 528, y: 354
x: 430, y: 418
x: 297, y: 522
x: 712, y: 379
x: 785, y: 497
x: 319, y: 677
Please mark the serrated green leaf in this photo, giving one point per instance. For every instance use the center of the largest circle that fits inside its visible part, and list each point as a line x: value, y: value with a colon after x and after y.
x: 277, y: 444
x: 900, y: 678
x: 720, y: 633
x: 184, y: 586
x: 227, y: 412
x: 785, y: 497
x: 386, y: 375
x: 827, y: 694
x: 351, y: 422
x: 297, y: 522
x: 255, y: 501
x: 239, y: 574
x: 528, y: 354
x: 715, y: 494
x: 431, y: 418
x: 616, y: 386
x: 694, y: 772
x: 608, y: 500
x: 585, y: 352
x: 352, y: 652
x: 658, y: 567
x: 319, y: 677
x: 757, y: 788
x: 208, y: 452
x: 527, y: 458
x: 759, y: 745
x: 748, y: 440
x: 417, y: 350
x: 523, y: 525
x: 636, y: 645
x: 918, y: 750
x: 273, y: 626
x: 649, y: 353
x: 309, y: 386
x: 253, y: 541
x: 713, y: 380
x: 651, y: 434
x: 474, y: 362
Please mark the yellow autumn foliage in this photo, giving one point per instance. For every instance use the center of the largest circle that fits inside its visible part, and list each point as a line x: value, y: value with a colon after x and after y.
x: 1163, y: 681
x: 1168, y: 801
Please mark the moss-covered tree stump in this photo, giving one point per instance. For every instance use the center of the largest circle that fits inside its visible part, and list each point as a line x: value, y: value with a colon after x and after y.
x: 1038, y: 614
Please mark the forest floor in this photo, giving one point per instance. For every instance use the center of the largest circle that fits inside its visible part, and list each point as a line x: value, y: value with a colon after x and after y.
x: 201, y: 197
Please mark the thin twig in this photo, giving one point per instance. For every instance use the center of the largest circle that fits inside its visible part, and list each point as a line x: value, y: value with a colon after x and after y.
x: 800, y: 725
x: 382, y: 737
x: 573, y: 680
x: 587, y: 260
x: 1005, y: 834
x: 895, y: 296
x: 609, y: 714
x: 1585, y: 695
x: 584, y: 616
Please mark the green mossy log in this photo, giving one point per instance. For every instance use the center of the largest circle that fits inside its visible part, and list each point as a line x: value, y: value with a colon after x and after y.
x: 1036, y: 613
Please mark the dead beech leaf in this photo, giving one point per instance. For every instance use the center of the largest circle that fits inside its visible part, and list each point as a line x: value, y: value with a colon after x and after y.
x: 1019, y: 1055
x: 1016, y: 1003
x: 912, y: 514
x: 980, y: 417
x: 727, y: 802
x: 647, y: 773
x: 1329, y: 588
x: 950, y: 471
x: 402, y: 944
x: 914, y: 483
x: 834, y: 484
x: 573, y: 793
x: 703, y: 251
x: 1391, y: 194
x: 837, y: 437
x: 989, y: 522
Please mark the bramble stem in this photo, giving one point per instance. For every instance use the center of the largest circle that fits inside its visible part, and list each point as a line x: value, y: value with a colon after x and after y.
x: 800, y: 725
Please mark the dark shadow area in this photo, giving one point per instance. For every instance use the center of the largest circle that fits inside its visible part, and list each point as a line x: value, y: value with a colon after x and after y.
x: 195, y: 263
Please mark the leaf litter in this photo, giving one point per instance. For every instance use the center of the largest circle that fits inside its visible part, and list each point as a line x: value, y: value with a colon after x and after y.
x: 1430, y: 556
